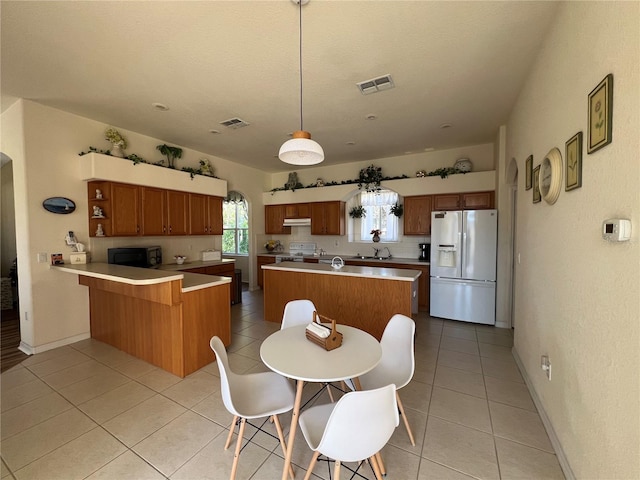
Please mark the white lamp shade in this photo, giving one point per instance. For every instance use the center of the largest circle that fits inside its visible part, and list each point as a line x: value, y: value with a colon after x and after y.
x: 301, y: 150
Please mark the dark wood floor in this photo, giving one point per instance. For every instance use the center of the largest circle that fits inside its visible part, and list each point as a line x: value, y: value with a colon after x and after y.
x: 10, y: 340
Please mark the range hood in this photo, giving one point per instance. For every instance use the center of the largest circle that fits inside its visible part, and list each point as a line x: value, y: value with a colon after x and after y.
x: 297, y: 222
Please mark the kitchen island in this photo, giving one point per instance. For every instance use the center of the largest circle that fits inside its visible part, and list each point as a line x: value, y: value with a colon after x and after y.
x: 165, y: 318
x: 362, y: 297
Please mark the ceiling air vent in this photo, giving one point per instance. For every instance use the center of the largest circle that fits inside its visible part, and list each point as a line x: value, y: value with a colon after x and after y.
x: 375, y: 85
x: 234, y: 123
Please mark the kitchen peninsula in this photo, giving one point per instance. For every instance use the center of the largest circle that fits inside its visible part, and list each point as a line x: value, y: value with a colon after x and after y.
x: 361, y: 297
x: 163, y: 317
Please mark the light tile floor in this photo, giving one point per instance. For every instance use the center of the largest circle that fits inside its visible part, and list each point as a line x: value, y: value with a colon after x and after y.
x: 89, y: 411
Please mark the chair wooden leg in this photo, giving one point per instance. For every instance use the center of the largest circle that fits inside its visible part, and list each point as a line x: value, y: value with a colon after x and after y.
x: 383, y: 469
x: 404, y: 418
x: 236, y: 455
x: 336, y: 470
x: 231, y: 429
x: 283, y: 444
x: 328, y: 385
x: 376, y: 469
x: 312, y: 464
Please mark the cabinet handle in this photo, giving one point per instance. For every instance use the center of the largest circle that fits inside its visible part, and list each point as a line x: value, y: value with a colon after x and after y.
x: 169, y: 228
x: 164, y: 229
x: 137, y: 228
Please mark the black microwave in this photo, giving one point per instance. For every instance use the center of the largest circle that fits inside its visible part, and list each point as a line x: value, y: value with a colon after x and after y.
x: 145, y: 257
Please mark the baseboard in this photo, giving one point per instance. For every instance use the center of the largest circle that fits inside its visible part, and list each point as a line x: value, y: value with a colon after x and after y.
x: 502, y: 325
x: 553, y: 438
x: 29, y: 350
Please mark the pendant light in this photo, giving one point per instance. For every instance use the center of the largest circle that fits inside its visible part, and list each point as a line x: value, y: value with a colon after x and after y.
x: 301, y: 150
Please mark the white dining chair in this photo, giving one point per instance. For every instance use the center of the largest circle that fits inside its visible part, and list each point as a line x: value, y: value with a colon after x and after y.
x: 355, y: 428
x: 251, y: 396
x: 300, y: 312
x: 397, y: 364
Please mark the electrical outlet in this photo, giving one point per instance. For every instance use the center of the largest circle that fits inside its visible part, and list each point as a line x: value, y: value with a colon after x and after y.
x: 42, y: 257
x: 337, y: 243
x: 545, y: 365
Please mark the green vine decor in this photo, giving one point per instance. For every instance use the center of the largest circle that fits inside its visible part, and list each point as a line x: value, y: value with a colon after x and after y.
x: 205, y: 168
x: 444, y: 172
x: 370, y: 178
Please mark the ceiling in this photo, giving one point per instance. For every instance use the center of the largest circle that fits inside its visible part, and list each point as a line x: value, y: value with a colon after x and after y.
x: 456, y: 63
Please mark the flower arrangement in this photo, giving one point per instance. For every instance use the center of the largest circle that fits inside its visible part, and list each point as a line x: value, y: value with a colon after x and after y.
x: 357, y: 212
x: 271, y: 245
x: 370, y: 178
x: 376, y: 232
x: 114, y: 137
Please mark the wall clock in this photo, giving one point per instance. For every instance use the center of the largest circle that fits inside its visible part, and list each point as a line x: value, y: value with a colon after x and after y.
x: 551, y: 176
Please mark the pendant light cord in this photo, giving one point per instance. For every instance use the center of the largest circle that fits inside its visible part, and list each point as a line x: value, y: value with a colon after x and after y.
x: 301, y: 121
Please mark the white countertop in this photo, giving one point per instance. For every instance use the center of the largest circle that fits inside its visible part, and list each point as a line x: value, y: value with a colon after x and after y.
x: 142, y: 276
x: 348, y: 270
x: 189, y: 264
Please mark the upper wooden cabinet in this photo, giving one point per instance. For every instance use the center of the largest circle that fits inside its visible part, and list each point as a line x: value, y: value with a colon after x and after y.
x: 417, y: 215
x: 154, y: 211
x: 205, y: 214
x: 464, y: 201
x: 327, y: 218
x: 297, y: 210
x: 125, y: 210
x: 133, y: 210
x: 274, y: 216
x: 177, y: 213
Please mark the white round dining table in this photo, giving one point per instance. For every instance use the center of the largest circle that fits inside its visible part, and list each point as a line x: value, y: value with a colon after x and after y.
x: 289, y: 353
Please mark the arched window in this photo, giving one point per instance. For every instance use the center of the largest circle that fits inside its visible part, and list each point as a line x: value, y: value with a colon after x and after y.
x: 378, y: 207
x: 235, y: 216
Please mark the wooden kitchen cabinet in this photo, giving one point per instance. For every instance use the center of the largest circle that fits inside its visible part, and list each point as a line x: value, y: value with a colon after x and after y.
x: 125, y: 210
x: 205, y: 214
x: 273, y: 220
x: 263, y: 260
x: 464, y: 201
x: 478, y: 200
x: 327, y: 218
x: 222, y: 270
x: 154, y: 211
x: 424, y: 280
x: 177, y: 213
x: 417, y: 215
x: 297, y: 210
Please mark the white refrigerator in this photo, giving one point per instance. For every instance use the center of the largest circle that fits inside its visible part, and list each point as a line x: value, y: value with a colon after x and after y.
x: 463, y: 265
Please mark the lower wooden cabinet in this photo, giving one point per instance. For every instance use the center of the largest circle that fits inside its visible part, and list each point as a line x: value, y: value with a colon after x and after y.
x: 424, y: 280
x: 263, y: 260
x: 222, y: 270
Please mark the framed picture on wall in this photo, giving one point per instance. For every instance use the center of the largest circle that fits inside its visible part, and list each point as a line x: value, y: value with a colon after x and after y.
x: 600, y: 115
x: 537, y: 196
x: 573, y: 168
x: 528, y: 172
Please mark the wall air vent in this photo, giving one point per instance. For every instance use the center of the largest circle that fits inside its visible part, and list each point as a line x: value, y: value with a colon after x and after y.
x: 375, y: 85
x: 234, y: 123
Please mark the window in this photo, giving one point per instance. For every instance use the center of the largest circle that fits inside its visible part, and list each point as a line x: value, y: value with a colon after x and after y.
x: 235, y: 217
x: 378, y: 207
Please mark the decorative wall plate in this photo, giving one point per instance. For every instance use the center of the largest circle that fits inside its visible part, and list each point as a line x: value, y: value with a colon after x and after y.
x: 551, y: 176
x: 59, y: 205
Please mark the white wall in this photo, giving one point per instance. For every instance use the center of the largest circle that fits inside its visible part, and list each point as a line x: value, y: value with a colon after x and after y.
x: 44, y: 144
x: 577, y: 296
x: 482, y: 157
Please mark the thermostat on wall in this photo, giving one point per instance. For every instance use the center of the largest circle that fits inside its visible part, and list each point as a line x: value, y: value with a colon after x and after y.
x: 616, y: 229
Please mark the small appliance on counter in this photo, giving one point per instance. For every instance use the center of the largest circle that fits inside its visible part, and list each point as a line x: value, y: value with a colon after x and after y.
x: 145, y: 257
x: 210, y: 255
x: 425, y: 252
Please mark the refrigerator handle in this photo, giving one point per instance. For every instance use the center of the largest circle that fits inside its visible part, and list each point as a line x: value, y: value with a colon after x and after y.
x: 463, y: 257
